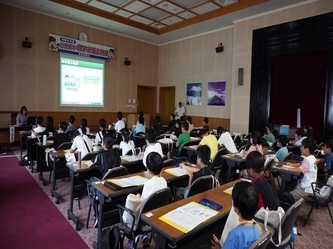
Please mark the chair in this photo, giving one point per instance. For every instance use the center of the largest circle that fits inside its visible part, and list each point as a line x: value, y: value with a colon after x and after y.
x: 136, y: 151
x: 137, y: 227
x: 319, y: 200
x: 31, y: 151
x: 139, y: 140
x: 93, y: 201
x: 288, y: 156
x: 202, y: 184
x: 263, y: 241
x: 287, y: 224
x: 219, y: 163
x: 169, y: 162
x: 89, y: 156
x: 65, y: 146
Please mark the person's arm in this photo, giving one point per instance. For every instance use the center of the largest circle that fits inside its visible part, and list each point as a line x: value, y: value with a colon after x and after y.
x: 216, y: 244
x: 295, y: 167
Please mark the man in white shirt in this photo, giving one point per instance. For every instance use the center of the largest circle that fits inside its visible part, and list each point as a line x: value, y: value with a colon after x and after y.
x: 120, y: 123
x: 180, y: 110
x: 226, y: 140
x: 80, y: 143
x: 39, y: 129
x: 152, y: 146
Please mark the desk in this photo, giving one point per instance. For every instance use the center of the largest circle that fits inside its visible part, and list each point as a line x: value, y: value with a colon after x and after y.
x: 79, y: 173
x: 166, y: 236
x: 232, y: 161
x: 133, y: 163
x: 286, y: 176
x: 108, y: 199
x: 59, y: 171
x: 40, y: 158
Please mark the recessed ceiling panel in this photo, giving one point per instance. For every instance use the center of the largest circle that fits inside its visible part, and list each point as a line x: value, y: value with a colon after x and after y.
x: 205, y: 8
x: 171, y: 20
x: 116, y: 2
x: 186, y: 15
x: 123, y: 13
x: 154, y: 13
x: 102, y: 6
x: 136, y: 7
x: 141, y: 19
x: 152, y: 1
x: 171, y: 8
x: 158, y: 25
x: 187, y: 3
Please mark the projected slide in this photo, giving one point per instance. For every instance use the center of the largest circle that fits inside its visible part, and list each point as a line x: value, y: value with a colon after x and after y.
x: 81, y: 81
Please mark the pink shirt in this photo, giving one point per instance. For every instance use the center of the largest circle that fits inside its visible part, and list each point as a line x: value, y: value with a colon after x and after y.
x: 254, y: 147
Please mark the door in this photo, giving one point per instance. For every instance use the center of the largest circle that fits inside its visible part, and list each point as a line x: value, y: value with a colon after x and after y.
x: 146, y: 101
x: 167, y: 103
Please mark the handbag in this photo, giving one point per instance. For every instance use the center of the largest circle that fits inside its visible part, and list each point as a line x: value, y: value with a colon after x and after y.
x: 271, y: 220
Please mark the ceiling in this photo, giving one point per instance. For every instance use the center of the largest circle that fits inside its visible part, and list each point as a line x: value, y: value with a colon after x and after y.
x: 154, y: 21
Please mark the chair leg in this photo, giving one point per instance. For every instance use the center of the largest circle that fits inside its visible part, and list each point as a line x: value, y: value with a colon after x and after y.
x: 329, y: 210
x: 88, y: 218
x: 309, y: 214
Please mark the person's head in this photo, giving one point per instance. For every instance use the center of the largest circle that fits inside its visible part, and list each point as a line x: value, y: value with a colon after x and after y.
x: 141, y: 114
x: 185, y: 126
x: 126, y: 134
x: 108, y: 141
x: 49, y: 124
x: 328, y: 145
x: 245, y: 200
x: 158, y: 119
x: 149, y: 135
x: 308, y: 130
x: 154, y: 124
x: 102, y: 123
x: 255, y: 162
x: 178, y: 123
x: 74, y: 134
x: 141, y: 120
x: 83, y: 124
x: 300, y: 133
x: 154, y: 163
x: 205, y: 120
x: 71, y: 119
x: 24, y: 110
x: 282, y: 141
x: 308, y: 147
x: 203, y: 155
x: 189, y: 119
x: 220, y: 130
x: 119, y: 115
x: 269, y: 128
x: 39, y: 120
x: 172, y: 116
x: 255, y: 137
x: 180, y: 104
x: 204, y: 132
x: 63, y: 126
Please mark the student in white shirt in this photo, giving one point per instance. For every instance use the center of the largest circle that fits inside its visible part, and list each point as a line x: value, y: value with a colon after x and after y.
x: 39, y: 128
x: 127, y: 144
x: 84, y: 130
x: 99, y: 135
x: 80, y: 143
x: 152, y: 145
x: 180, y: 110
x: 226, y: 140
x: 120, y: 123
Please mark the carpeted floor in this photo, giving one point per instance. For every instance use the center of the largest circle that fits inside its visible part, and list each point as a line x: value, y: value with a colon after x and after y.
x: 318, y: 233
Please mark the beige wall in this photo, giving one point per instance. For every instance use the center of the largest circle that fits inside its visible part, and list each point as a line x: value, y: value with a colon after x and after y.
x: 195, y: 60
x: 30, y: 76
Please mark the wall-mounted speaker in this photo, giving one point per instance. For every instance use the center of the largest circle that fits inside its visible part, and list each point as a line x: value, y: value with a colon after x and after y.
x: 127, y: 62
x: 240, y: 76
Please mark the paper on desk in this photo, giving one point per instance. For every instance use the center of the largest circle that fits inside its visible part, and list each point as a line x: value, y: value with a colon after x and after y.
x: 187, y: 217
x: 129, y: 181
x: 165, y: 141
x: 228, y: 190
x: 176, y: 171
x: 89, y: 163
x: 132, y: 158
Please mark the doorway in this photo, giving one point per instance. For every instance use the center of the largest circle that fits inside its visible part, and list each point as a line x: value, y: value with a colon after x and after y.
x: 167, y: 103
x: 146, y: 101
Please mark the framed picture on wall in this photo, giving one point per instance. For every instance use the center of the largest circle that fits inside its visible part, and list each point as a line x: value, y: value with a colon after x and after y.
x: 216, y: 93
x: 194, y: 94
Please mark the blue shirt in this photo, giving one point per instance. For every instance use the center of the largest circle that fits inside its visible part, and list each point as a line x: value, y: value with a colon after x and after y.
x: 329, y: 162
x: 241, y: 237
x: 281, y: 154
x: 140, y: 128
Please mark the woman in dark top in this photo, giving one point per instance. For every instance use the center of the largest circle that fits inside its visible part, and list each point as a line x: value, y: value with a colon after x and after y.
x: 61, y: 137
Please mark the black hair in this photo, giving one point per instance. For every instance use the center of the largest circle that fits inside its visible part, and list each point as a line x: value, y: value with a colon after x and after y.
x: 308, y: 143
x: 120, y: 115
x: 141, y: 114
x: 141, y: 120
x: 255, y: 161
x: 220, y: 130
x: 270, y: 127
x: 206, y: 120
x: 256, y: 137
x: 154, y: 124
x: 84, y: 124
x: 173, y: 115
x: 49, y: 124
x: 189, y: 119
x: 245, y: 199
x: 185, y: 125
x: 39, y: 120
x: 203, y: 131
x: 63, y: 126
x: 158, y: 119
x: 283, y: 140
x: 108, y: 141
x: 329, y: 143
x: 149, y: 135
x: 154, y: 163
x: 126, y: 134
x: 74, y: 134
x: 203, y: 152
x: 102, y: 123
x: 300, y: 132
x: 24, y: 108
x: 180, y: 103
x: 178, y: 122
x: 71, y: 119
x: 309, y: 130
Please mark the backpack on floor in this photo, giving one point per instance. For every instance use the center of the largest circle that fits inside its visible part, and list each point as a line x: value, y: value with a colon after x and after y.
x: 24, y: 161
x: 111, y: 238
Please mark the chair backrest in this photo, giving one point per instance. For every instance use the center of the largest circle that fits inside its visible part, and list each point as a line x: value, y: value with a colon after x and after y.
x: 90, y: 156
x: 289, y: 219
x: 114, y: 172
x: 263, y: 241
x: 183, y: 151
x: 31, y: 149
x: 65, y: 146
x: 288, y: 156
x: 202, y: 184
x: 218, y: 160
x: 135, y: 150
x: 169, y: 162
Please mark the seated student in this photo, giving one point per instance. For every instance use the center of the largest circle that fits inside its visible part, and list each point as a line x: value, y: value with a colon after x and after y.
x: 210, y: 140
x: 157, y: 182
x: 127, y: 144
x: 299, y: 137
x: 263, y: 181
x: 184, y: 137
x: 307, y: 167
x: 190, y: 124
x: 155, y: 128
x: 308, y: 131
x: 80, y: 143
x: 141, y: 114
x: 49, y: 127
x: 205, y: 123
x: 61, y: 136
x: 140, y: 127
x: 71, y: 127
x: 202, y: 169
x: 177, y: 130
x: 255, y: 143
x: 120, y: 123
x: 226, y: 140
x: 99, y: 136
x: 245, y: 198
x: 172, y: 122
x: 22, y: 117
x: 159, y: 125
x: 328, y: 165
x: 84, y: 130
x: 152, y: 146
x: 270, y: 138
x: 39, y: 129
x: 283, y: 150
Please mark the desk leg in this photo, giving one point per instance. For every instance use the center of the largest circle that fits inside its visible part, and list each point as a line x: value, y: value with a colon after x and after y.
x: 231, y: 165
x: 160, y: 241
x: 54, y: 184
x: 70, y: 213
x: 101, y: 198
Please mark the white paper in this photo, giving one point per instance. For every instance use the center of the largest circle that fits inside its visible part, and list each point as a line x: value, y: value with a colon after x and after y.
x: 176, y: 171
x: 130, y: 181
